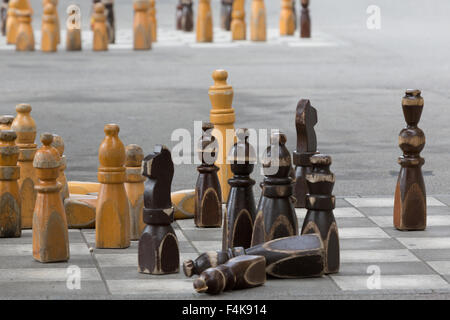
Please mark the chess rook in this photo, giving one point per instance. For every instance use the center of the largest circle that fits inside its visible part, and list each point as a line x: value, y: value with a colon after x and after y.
x: 25, y: 128
x: 291, y: 257
x: 158, y: 251
x: 187, y: 18
x: 73, y: 34
x: 99, y: 28
x: 410, y: 205
x: 50, y: 234
x: 241, y: 208
x: 222, y: 117
x: 287, y: 18
x: 258, y: 21
x: 49, y: 41
x: 12, y: 22
x: 6, y: 122
x: 238, y: 25
x: 112, y: 215
x: 208, y: 196
x: 305, y: 120
x: 225, y: 13
x: 305, y: 21
x: 58, y: 144
x: 142, y: 38
x: 10, y: 225
x: 276, y: 217
x: 25, y: 36
x: 320, y: 204
x: 134, y: 186
x: 204, y: 21
x: 110, y: 20
x: 241, y: 272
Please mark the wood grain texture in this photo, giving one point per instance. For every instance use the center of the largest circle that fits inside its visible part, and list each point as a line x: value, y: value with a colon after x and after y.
x: 12, y: 22
x: 204, y: 31
x: 183, y: 202
x: 81, y: 211
x: 25, y: 36
x: 6, y: 122
x: 153, y: 21
x: 142, y: 38
x: 305, y: 20
x: 100, y: 28
x: 258, y: 28
x: 238, y: 25
x: 287, y: 18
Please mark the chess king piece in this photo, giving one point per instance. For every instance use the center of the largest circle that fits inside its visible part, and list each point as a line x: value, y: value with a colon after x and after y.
x: 12, y: 22
x: 241, y: 208
x: 410, y: 204
x: 320, y: 204
x: 222, y: 117
x: 50, y: 233
x: 3, y: 12
x: 227, y: 6
x: 25, y: 36
x: 305, y: 120
x: 276, y: 217
x: 100, y: 28
x: 179, y: 15
x: 204, y: 22
x: 112, y: 214
x: 158, y: 247
x: 10, y: 225
x: 142, y: 39
x: 258, y: 21
x: 73, y: 34
x: 187, y: 18
x: 241, y: 272
x: 287, y: 18
x: 110, y: 20
x: 49, y: 42
x: 25, y: 128
x: 5, y: 122
x: 288, y: 258
x: 305, y: 21
x: 58, y: 144
x: 153, y: 22
x: 238, y: 26
x: 208, y: 196
x: 134, y: 186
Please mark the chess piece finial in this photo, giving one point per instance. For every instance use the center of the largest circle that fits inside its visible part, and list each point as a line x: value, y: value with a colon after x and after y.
x: 25, y: 36
x: 101, y: 38
x: 49, y: 41
x: 58, y: 144
x: 50, y: 233
x: 410, y: 204
x: 10, y: 215
x: 258, y: 21
x: 287, y: 18
x: 142, y: 38
x: 238, y: 25
x: 73, y: 34
x: 305, y: 20
x: 12, y: 22
x: 204, y: 22
x: 6, y: 122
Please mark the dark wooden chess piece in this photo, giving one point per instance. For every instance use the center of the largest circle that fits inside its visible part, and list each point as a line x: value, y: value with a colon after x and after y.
x: 305, y: 20
x: 242, y: 272
x: 305, y: 120
x: 208, y: 196
x: 187, y: 18
x: 179, y: 15
x: 110, y: 20
x: 320, y: 204
x: 158, y: 247
x: 227, y: 8
x: 410, y: 204
x: 291, y: 257
x: 241, y: 209
x: 294, y: 11
x: 276, y: 216
x: 3, y: 14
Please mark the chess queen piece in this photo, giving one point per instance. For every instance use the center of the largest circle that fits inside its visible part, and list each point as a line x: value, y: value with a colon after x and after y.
x: 410, y: 204
x: 258, y: 21
x: 305, y: 21
x: 204, y: 22
x: 238, y: 25
x: 287, y: 18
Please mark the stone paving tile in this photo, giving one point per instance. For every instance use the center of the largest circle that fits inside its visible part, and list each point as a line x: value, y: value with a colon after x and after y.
x: 52, y: 290
x: 432, y: 220
x: 385, y: 268
x: 203, y: 246
x: 386, y: 202
x: 388, y: 211
x: 426, y: 243
x: 175, y: 286
x: 433, y: 254
x: 441, y: 267
x: 129, y: 259
x: 429, y: 232
x: 27, y: 249
x: 362, y: 233
x: 361, y: 244
x: 346, y: 212
x: 355, y: 223
x: 377, y: 256
x: 45, y: 274
x: 27, y: 238
x: 131, y: 273
x: 15, y: 262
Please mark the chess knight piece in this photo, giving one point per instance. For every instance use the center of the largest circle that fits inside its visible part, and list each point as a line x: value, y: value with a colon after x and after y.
x: 305, y: 21
x: 238, y: 26
x: 410, y: 205
x: 158, y: 246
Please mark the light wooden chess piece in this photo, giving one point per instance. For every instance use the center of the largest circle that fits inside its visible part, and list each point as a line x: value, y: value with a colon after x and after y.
x: 287, y: 18
x: 58, y: 144
x: 25, y: 36
x: 142, y: 38
x: 5, y: 122
x: 153, y: 21
x: 258, y: 21
x: 100, y: 29
x: 49, y: 42
x: 204, y: 26
x: 238, y: 25
x: 12, y: 22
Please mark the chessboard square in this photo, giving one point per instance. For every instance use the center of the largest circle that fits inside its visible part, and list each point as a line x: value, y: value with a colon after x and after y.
x: 117, y: 260
x: 210, y: 234
x: 369, y: 244
x: 377, y: 256
x: 386, y: 202
x: 429, y: 232
x: 426, y: 243
x: 392, y: 282
x: 362, y: 233
x: 180, y: 235
x: 434, y: 220
x: 347, y: 212
x: 432, y: 254
x: 46, y: 274
x: 441, y: 267
x: 385, y: 268
x: 203, y: 246
x: 132, y: 273
x: 362, y: 222
x: 27, y: 249
x: 133, y: 287
x: 27, y: 261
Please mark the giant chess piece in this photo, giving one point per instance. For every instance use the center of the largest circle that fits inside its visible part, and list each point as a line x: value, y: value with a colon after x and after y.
x: 208, y: 196
x: 49, y: 40
x: 3, y: 15
x: 110, y: 20
x: 55, y: 18
x: 100, y: 29
x: 410, y: 205
x: 6, y: 122
x: 238, y: 273
x: 294, y: 12
x: 10, y: 225
x: 187, y: 18
x: 225, y: 13
x: 112, y: 215
x: 25, y: 128
x: 320, y: 204
x: 291, y: 257
x: 179, y: 15
x: 158, y: 246
x: 25, y: 36
x: 153, y: 21
x: 305, y: 120
x: 238, y: 25
x: 142, y: 38
x: 287, y: 18
x: 58, y: 144
x: 258, y: 21
x: 204, y: 22
x: 12, y: 22
x: 241, y: 208
x: 305, y: 21
x: 50, y: 234
x: 276, y: 217
x: 73, y: 34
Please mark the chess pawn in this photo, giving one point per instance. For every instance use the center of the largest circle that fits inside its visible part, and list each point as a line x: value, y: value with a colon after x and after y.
x: 258, y: 21
x: 10, y: 225
x: 25, y: 37
x: 226, y: 14
x: 49, y: 42
x: 112, y: 213
x: 110, y: 20
x: 58, y: 144
x: 5, y: 122
x: 141, y: 26
x: 242, y: 272
x: 204, y: 22
x: 305, y: 120
x: 25, y: 128
x: 276, y: 217
x: 187, y: 20
x: 179, y: 16
x: 241, y: 208
x: 222, y: 117
x: 73, y: 34
x: 287, y: 19
x: 320, y: 204
x: 286, y: 258
x: 208, y: 196
x: 12, y: 22
x: 152, y: 19
x: 3, y: 11
x: 238, y: 26
x: 100, y: 30
x: 134, y: 186
x: 305, y: 21
x: 410, y: 204
x: 158, y: 251
x: 50, y: 233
